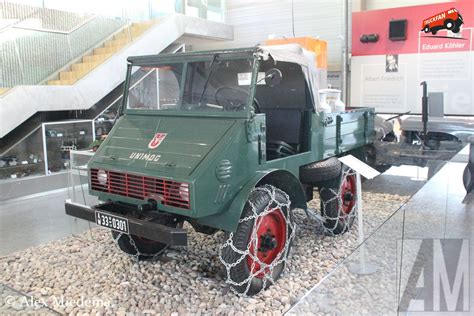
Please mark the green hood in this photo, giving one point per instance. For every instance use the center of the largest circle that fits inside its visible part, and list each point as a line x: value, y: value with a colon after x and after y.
x: 185, y: 142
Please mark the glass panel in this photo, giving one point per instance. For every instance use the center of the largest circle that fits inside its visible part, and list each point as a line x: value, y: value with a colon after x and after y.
x: 410, y: 259
x: 222, y: 85
x: 347, y: 292
x: 105, y: 121
x: 61, y: 138
x: 24, y: 159
x: 213, y: 10
x: 156, y: 88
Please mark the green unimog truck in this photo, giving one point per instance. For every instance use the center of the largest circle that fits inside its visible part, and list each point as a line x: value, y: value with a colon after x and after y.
x: 229, y: 140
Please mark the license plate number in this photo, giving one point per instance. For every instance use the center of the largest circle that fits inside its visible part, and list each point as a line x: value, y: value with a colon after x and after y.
x: 113, y: 222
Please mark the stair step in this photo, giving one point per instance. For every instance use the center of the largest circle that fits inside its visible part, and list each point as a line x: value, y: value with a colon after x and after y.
x: 106, y: 50
x: 67, y: 75
x: 61, y: 82
x: 96, y: 58
x: 100, y: 54
x: 84, y: 66
x: 117, y: 42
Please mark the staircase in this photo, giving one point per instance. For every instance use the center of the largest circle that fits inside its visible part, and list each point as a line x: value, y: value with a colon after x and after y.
x: 102, y: 71
x: 99, y: 55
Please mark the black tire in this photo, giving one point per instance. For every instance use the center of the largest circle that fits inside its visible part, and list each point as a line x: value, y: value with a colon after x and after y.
x: 468, y: 179
x: 434, y: 32
x: 147, y: 248
x: 321, y: 171
x: 426, y: 29
x: 337, y: 210
x: 242, y: 239
x: 449, y: 24
x: 456, y: 29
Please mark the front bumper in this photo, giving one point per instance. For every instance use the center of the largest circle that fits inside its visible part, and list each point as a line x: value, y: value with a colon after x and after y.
x: 165, y: 234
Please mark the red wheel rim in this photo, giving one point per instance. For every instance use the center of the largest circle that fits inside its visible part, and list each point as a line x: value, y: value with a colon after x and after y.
x: 271, y: 241
x: 348, y: 194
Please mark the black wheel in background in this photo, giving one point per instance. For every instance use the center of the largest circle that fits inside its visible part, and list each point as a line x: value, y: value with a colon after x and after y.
x: 468, y: 179
x: 141, y: 247
x: 318, y: 172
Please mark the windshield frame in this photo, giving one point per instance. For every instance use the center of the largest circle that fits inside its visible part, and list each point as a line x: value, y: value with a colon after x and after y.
x: 185, y: 59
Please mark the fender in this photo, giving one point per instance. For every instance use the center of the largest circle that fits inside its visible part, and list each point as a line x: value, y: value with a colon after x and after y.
x: 282, y: 179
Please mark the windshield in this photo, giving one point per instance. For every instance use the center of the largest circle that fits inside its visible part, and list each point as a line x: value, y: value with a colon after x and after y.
x: 214, y: 85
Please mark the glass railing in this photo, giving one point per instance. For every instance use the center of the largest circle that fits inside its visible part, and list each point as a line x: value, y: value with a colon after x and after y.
x: 30, y: 56
x: 41, y: 39
x: 417, y: 260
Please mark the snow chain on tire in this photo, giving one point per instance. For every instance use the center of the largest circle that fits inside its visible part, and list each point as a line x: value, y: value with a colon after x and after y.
x: 339, y: 222
x: 136, y: 257
x: 282, y: 256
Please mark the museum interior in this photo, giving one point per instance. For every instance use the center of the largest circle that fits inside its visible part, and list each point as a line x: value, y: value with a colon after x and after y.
x: 231, y: 157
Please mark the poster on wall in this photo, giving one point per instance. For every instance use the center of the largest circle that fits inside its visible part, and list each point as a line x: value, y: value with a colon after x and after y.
x: 437, y: 49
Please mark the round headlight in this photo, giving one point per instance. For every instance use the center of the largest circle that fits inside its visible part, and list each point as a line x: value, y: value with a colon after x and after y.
x: 184, y: 191
x: 102, y: 177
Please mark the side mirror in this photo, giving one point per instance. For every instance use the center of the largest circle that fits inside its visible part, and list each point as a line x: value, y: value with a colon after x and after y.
x: 273, y: 77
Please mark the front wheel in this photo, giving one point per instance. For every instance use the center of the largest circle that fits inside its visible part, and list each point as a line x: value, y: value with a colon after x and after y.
x: 143, y: 248
x: 339, y: 202
x: 255, y: 254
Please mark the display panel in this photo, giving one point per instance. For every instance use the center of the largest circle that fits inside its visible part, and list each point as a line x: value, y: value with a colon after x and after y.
x: 397, y: 30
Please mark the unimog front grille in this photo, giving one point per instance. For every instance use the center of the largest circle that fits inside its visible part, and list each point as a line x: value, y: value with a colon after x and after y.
x: 169, y: 192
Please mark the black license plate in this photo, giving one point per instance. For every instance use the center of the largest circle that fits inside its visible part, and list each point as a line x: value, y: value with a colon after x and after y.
x: 113, y: 222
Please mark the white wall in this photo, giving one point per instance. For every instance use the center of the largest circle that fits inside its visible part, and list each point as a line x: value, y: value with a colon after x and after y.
x: 253, y: 21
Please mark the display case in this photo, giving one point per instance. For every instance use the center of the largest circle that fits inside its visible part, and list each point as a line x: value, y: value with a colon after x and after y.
x: 46, y: 149
x: 62, y: 137
x: 26, y: 158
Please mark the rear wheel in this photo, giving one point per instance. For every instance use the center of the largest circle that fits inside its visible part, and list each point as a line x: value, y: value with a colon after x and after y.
x: 143, y: 248
x: 426, y: 29
x: 255, y: 254
x: 338, y: 202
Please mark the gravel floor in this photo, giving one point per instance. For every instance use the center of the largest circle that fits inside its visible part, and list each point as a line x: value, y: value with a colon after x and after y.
x: 89, y: 268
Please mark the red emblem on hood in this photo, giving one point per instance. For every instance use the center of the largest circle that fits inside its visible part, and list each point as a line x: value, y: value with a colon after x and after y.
x: 156, y: 141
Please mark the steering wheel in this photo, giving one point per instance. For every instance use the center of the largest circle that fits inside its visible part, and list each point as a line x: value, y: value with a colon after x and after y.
x: 279, y: 149
x: 233, y: 99
x: 230, y: 98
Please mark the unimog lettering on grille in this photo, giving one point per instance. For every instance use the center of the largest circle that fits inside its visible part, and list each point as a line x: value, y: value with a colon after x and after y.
x: 242, y: 142
x: 143, y: 156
